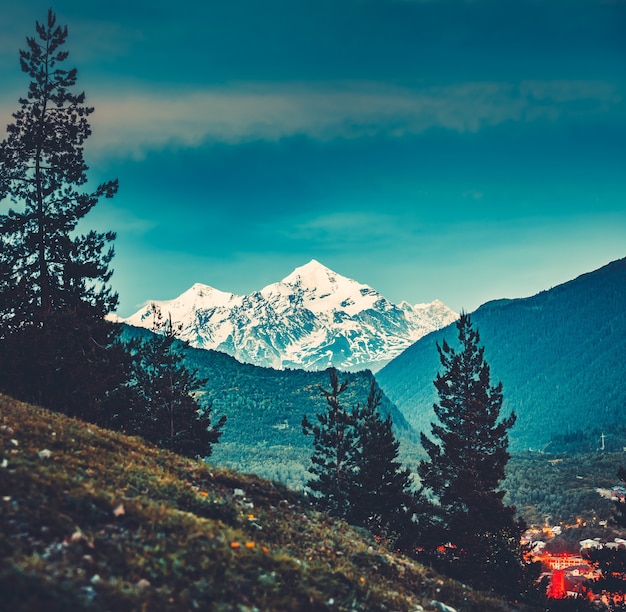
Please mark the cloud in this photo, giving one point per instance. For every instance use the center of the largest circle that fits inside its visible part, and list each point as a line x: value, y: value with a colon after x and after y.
x: 133, y: 123
x: 545, y: 98
x: 340, y: 230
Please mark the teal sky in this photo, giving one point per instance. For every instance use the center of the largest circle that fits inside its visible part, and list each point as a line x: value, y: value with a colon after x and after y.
x: 464, y: 150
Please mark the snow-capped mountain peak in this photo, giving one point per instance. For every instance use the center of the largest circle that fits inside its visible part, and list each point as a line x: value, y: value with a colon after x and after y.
x: 312, y: 319
x: 322, y: 290
x: 311, y: 275
x: 197, y: 297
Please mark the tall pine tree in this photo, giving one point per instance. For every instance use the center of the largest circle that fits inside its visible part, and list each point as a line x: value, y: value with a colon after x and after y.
x: 382, y: 499
x: 55, y: 347
x: 42, y: 168
x: 357, y: 475
x: 335, y: 453
x: 473, y: 536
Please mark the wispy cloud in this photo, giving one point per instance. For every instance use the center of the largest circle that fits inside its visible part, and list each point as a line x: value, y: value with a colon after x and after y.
x: 135, y: 123
x: 377, y: 230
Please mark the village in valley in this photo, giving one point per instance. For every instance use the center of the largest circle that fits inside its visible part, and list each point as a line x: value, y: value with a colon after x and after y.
x: 565, y: 562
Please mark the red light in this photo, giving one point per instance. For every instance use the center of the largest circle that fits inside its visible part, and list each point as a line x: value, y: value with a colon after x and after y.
x: 556, y: 590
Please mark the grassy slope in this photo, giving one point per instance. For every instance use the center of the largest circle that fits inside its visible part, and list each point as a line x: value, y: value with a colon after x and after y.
x: 107, y: 522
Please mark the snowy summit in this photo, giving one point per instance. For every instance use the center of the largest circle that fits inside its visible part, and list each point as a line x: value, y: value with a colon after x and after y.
x: 312, y: 319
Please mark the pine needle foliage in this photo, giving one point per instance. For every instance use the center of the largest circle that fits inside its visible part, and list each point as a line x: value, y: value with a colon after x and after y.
x: 473, y: 534
x: 173, y: 412
x: 357, y: 475
x: 382, y: 499
x: 335, y: 452
x: 55, y: 347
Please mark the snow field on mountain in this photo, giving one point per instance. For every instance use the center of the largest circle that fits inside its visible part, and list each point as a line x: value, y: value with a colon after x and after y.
x: 312, y: 319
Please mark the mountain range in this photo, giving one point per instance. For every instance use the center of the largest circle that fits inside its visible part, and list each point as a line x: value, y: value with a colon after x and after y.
x: 312, y: 319
x: 560, y: 355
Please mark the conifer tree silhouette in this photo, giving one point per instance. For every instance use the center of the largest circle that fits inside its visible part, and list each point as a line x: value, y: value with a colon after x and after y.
x: 55, y: 347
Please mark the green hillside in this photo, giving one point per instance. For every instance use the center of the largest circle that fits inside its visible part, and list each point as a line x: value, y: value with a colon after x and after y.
x: 94, y: 520
x: 559, y: 354
x: 555, y: 489
x: 264, y: 408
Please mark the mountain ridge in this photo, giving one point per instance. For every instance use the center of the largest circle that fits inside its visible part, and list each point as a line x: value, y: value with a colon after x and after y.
x: 314, y: 318
x: 559, y: 354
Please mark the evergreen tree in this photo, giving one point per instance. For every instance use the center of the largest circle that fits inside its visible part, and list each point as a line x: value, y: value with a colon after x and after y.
x: 42, y: 168
x: 474, y: 535
x: 55, y: 347
x: 611, y: 563
x: 381, y: 499
x: 172, y: 411
x: 357, y: 474
x: 335, y: 452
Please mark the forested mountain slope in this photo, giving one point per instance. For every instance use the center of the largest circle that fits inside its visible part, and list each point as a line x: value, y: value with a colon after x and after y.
x: 264, y: 409
x: 559, y: 354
